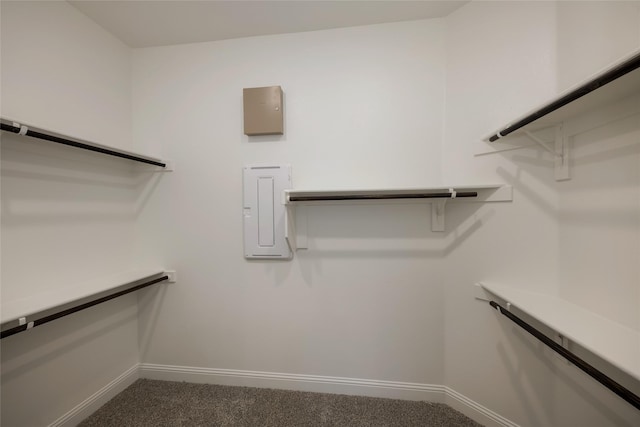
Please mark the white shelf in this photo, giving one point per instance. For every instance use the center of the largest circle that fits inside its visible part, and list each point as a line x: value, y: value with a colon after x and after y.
x: 295, y: 227
x: 372, y: 193
x: 611, y: 341
x: 43, y: 302
x: 622, y: 87
x: 20, y: 128
x: 610, y: 95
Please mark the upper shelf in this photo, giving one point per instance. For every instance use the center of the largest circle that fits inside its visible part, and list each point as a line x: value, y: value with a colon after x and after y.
x: 34, y: 132
x: 470, y: 193
x: 613, y: 342
x: 618, y: 81
x: 295, y: 230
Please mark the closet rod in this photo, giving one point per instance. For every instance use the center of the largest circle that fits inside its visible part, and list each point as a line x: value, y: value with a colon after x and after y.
x: 75, y: 143
x: 582, y: 90
x: 603, y: 379
x: 68, y: 311
x: 384, y: 196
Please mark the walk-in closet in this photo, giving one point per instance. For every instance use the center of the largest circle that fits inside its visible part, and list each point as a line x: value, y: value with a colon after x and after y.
x: 433, y: 202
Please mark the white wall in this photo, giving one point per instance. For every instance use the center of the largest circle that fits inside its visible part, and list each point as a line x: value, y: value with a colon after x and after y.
x: 363, y: 107
x: 67, y: 216
x: 500, y: 62
x: 504, y: 59
x: 65, y: 72
x: 593, y: 34
x: 600, y: 206
x: 599, y: 210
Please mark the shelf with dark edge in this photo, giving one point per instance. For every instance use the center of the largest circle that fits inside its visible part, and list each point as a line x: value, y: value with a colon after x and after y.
x: 616, y: 82
x: 21, y: 129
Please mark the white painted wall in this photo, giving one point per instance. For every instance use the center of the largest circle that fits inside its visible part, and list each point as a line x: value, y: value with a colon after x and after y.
x: 599, y: 211
x: 600, y: 206
x: 64, y: 72
x: 593, y: 34
x: 67, y: 216
x: 363, y: 108
x: 500, y: 61
x: 504, y: 59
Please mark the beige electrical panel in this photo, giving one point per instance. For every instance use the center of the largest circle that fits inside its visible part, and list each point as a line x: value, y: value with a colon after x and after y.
x: 263, y: 110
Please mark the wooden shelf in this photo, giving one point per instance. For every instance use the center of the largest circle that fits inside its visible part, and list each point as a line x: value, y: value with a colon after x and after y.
x: 295, y: 230
x: 611, y: 341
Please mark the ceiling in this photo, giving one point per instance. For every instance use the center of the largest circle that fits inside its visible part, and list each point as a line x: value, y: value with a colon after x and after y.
x: 146, y: 23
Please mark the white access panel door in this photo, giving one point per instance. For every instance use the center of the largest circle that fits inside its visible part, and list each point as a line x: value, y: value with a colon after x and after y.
x: 264, y: 212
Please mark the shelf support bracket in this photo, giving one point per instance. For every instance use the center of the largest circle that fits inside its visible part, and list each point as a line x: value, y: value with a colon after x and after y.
x: 542, y: 144
x: 290, y: 228
x: 565, y: 343
x: 437, y: 215
x: 560, y: 151
x: 296, y: 227
x: 562, y: 172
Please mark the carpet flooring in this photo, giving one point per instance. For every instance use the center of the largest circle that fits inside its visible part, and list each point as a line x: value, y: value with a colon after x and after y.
x: 166, y: 403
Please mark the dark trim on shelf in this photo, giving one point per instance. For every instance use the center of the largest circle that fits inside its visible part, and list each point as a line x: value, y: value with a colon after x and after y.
x: 383, y: 196
x: 77, y: 144
x: 597, y: 82
x: 74, y: 309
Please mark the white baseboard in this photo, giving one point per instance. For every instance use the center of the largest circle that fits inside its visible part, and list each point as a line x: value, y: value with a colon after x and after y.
x: 97, y: 399
x: 323, y: 384
x: 315, y: 383
x: 476, y: 411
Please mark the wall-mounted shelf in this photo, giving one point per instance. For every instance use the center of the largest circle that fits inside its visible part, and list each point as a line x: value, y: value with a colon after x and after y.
x: 295, y: 226
x: 25, y: 313
x: 611, y: 341
x: 22, y: 314
x: 7, y: 125
x: 617, y: 82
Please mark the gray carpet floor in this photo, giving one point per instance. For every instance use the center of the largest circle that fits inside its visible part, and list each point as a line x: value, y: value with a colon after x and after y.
x: 165, y: 403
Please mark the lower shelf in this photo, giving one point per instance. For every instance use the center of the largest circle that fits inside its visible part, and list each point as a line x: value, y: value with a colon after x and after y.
x: 22, y: 314
x: 611, y: 341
